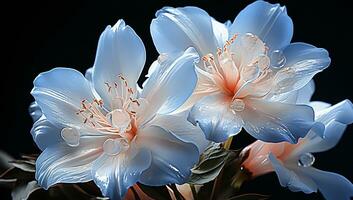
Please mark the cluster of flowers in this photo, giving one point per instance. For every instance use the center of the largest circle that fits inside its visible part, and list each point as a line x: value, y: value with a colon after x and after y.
x: 210, y: 81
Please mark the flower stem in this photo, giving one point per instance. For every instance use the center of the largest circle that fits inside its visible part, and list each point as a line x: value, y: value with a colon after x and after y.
x: 228, y: 143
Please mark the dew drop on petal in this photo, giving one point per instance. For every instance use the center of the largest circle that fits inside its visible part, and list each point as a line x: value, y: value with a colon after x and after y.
x: 306, y: 160
x: 278, y: 60
x: 115, y: 146
x: 237, y: 105
x: 71, y: 136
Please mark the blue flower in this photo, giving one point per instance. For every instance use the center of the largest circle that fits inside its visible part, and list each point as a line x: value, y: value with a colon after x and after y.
x: 293, y: 163
x: 249, y: 71
x: 104, y: 128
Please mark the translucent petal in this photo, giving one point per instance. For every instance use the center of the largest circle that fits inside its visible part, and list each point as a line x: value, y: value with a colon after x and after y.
x: 214, y: 116
x: 175, y: 75
x: 291, y: 179
x: 332, y: 186
x: 120, y: 52
x: 268, y: 21
x: 172, y: 158
x: 114, y: 174
x: 45, y: 133
x: 183, y: 129
x: 61, y: 163
x: 176, y: 29
x: 60, y: 99
x: 278, y: 122
x: 303, y: 61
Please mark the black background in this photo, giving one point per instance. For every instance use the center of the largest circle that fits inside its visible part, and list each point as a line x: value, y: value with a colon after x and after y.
x: 42, y: 35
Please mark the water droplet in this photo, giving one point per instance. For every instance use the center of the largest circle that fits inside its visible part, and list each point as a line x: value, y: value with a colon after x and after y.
x: 306, y: 160
x: 71, y: 136
x: 119, y: 119
x: 115, y: 146
x: 278, y: 60
x: 237, y: 105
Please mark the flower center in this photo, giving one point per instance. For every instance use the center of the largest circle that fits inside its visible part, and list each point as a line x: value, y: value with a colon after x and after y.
x: 118, y: 119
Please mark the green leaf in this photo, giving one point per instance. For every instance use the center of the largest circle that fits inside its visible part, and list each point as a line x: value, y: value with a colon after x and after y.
x: 250, y: 196
x: 155, y: 192
x: 211, y: 164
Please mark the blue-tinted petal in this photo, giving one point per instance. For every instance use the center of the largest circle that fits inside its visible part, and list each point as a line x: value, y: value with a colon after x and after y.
x: 45, y: 133
x: 120, y: 52
x: 303, y: 61
x: 172, y: 158
x: 183, y: 129
x: 176, y: 29
x: 332, y: 186
x: 114, y: 174
x: 305, y: 93
x: 335, y: 118
x: 268, y: 21
x: 213, y: 115
x: 278, y: 122
x: 61, y: 163
x: 172, y: 82
x: 291, y: 179
x: 59, y: 98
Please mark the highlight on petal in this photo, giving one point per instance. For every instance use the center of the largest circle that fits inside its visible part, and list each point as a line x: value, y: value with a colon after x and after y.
x: 120, y: 51
x: 268, y: 21
x: 278, y: 122
x: 303, y: 61
x: 60, y: 99
x: 172, y: 158
x: 176, y: 29
x: 114, y: 174
x: 214, y: 116
x: 171, y: 84
x: 61, y: 163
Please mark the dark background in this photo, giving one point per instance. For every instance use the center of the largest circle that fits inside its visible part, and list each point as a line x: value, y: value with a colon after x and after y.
x: 43, y: 35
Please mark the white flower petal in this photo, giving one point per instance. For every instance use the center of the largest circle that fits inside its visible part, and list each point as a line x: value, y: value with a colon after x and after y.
x: 115, y: 174
x: 59, y: 98
x: 278, y: 122
x: 172, y: 158
x: 268, y: 21
x: 172, y: 83
x: 220, y: 32
x: 214, y: 116
x: 184, y: 130
x: 176, y: 29
x: 303, y: 61
x: 61, y: 163
x: 120, y: 52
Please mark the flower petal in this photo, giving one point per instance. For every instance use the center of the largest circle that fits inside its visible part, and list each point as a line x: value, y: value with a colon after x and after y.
x: 43, y: 132
x: 182, y: 129
x: 220, y: 32
x: 289, y: 178
x: 172, y: 158
x: 61, y: 163
x: 268, y: 21
x: 278, y: 122
x: 213, y: 115
x: 175, y: 75
x: 335, y: 118
x: 115, y: 174
x: 176, y: 29
x: 60, y: 99
x: 120, y: 52
x: 332, y: 186
x: 303, y: 61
